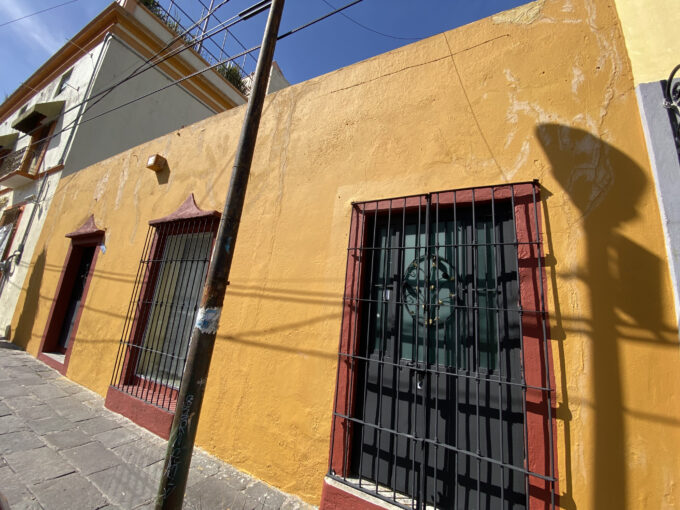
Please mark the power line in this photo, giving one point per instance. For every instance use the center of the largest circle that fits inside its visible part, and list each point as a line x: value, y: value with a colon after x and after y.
x: 77, y: 123
x: 157, y: 54
x: 371, y: 29
x: 159, y: 60
x: 37, y: 12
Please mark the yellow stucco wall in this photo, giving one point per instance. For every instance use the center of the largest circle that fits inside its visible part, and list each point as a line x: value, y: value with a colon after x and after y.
x: 650, y: 28
x: 544, y: 92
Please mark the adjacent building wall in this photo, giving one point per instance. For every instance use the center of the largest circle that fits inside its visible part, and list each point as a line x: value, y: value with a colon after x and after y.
x: 29, y: 231
x: 542, y: 92
x: 650, y: 29
x: 651, y: 33
x: 135, y: 123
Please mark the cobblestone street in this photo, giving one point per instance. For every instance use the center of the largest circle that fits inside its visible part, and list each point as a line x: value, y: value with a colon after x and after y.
x: 61, y: 449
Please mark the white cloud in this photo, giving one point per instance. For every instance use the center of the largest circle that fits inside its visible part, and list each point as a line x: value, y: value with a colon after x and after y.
x: 41, y: 31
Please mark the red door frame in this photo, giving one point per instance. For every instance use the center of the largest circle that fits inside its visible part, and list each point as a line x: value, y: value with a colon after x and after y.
x: 535, y: 334
x: 88, y: 235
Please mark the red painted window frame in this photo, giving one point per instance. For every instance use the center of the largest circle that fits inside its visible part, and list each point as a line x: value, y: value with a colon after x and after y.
x: 21, y: 206
x: 133, y: 401
x: 533, y: 289
x: 88, y: 235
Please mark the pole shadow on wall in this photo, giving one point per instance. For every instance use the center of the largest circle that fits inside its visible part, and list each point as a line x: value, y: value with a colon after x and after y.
x: 623, y: 282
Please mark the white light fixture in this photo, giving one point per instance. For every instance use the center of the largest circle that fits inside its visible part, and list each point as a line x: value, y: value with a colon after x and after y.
x: 156, y: 162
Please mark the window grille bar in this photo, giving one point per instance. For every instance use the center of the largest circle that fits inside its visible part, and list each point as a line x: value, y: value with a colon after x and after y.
x: 158, y: 316
x: 174, y: 317
x: 449, y: 372
x: 436, y: 354
x: 435, y: 364
x: 521, y: 337
x: 486, y: 308
x: 544, y: 346
x: 496, y: 270
x: 152, y: 350
x: 131, y: 312
x: 475, y: 322
x: 467, y: 453
x: 456, y: 269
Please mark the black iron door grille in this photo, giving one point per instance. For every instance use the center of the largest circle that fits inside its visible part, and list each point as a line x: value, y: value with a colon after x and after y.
x: 162, y: 310
x: 443, y: 396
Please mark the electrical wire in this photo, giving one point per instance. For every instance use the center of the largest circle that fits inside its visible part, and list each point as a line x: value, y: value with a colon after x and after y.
x: 75, y: 124
x: 153, y: 63
x: 372, y: 29
x: 37, y: 12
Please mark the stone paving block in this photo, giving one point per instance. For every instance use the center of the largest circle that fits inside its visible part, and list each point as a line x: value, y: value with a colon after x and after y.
x: 18, y: 441
x: 265, y: 495
x: 91, y: 458
x: 28, y: 380
x: 47, y: 391
x: 202, y: 466
x: 13, y: 487
x: 22, y: 402
x: 125, y: 486
x: 36, y: 412
x: 4, y: 410
x: 12, y: 390
x: 49, y: 374
x: 140, y: 454
x: 22, y: 368
x: 97, y: 424
x: 51, y: 424
x: 213, y: 492
x: 116, y: 437
x: 38, y: 465
x: 72, y: 409
x: 67, y: 439
x: 59, y: 494
x: 28, y: 504
x: 234, y: 477
x: 154, y: 470
x: 10, y: 423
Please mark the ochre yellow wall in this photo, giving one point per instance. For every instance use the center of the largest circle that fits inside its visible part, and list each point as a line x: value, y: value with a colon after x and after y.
x: 544, y: 93
x: 650, y: 28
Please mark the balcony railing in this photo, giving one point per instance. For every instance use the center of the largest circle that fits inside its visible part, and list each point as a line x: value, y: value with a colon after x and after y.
x: 212, y: 51
x: 11, y: 162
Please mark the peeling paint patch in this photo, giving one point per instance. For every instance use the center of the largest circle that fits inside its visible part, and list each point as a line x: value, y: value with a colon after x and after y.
x: 577, y: 79
x: 101, y: 187
x: 208, y: 319
x: 522, y: 15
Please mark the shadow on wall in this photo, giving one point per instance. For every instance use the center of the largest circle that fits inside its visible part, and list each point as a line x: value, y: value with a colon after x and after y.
x: 623, y: 282
x: 24, y: 329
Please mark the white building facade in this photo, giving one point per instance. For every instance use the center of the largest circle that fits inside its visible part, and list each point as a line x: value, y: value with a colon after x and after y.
x: 67, y: 116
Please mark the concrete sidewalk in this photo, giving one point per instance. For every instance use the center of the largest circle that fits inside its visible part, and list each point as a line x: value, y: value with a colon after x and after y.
x: 61, y: 449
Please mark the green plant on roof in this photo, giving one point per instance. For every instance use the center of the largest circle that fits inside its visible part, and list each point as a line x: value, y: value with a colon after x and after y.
x: 153, y: 6
x: 232, y: 74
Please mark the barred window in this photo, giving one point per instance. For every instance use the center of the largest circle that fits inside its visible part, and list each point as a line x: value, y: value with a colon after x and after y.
x: 443, y: 393
x: 164, y: 304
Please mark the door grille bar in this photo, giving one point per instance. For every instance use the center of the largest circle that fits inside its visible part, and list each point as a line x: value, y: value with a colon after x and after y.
x: 444, y: 341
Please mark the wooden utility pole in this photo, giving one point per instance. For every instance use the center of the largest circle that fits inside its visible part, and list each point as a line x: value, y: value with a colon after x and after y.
x: 185, y: 423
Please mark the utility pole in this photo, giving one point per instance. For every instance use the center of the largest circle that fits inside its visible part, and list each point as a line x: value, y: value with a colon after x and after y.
x: 185, y: 423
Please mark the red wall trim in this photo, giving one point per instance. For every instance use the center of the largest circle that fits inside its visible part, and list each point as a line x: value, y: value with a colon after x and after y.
x: 147, y: 415
x: 533, y: 290
x: 333, y: 498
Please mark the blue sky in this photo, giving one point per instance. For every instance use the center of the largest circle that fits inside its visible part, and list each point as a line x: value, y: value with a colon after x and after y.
x: 326, y: 46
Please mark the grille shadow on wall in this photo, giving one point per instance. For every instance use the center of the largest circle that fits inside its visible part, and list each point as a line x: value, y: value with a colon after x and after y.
x: 163, y: 307
x: 444, y: 392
